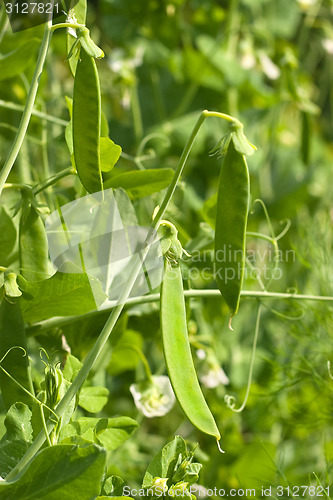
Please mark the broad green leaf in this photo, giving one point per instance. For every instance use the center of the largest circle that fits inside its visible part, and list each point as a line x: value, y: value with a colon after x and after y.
x: 164, y: 462
x: 108, y: 432
x: 17, y: 439
x: 93, y: 399
x: 64, y: 294
x: 7, y: 236
x: 113, y: 486
x: 16, y: 61
x: 140, y: 183
x: 110, y: 154
x: 63, y: 471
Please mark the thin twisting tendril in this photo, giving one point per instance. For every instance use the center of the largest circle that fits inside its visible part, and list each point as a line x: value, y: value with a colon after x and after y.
x: 230, y: 400
x: 282, y: 315
x: 285, y: 230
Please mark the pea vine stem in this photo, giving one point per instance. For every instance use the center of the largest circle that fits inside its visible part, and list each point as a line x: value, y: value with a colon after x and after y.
x: 28, y: 109
x: 136, y: 263
x: 60, y: 321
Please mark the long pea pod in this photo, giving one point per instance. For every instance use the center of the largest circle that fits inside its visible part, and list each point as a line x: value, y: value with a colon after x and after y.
x: 33, y: 246
x: 177, y: 353
x: 87, y: 123
x: 13, y: 355
x: 231, y: 219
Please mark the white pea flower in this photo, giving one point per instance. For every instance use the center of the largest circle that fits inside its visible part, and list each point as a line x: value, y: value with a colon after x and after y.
x: 214, y: 377
x: 153, y: 397
x: 201, y: 353
x: 305, y: 4
x: 328, y: 45
x: 271, y: 70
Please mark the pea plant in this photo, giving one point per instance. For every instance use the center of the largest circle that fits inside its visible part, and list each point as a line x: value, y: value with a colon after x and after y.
x: 108, y: 290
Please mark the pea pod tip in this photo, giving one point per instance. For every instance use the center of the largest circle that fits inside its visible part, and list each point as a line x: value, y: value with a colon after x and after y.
x: 219, y: 446
x: 230, y: 325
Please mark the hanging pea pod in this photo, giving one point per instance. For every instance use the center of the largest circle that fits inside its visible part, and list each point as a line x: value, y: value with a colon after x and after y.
x: 14, y: 360
x: 33, y: 246
x: 87, y: 123
x: 231, y: 216
x: 177, y: 351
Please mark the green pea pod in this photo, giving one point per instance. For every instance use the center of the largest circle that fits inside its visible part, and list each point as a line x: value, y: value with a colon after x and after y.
x: 12, y: 334
x: 87, y: 123
x: 33, y: 245
x: 231, y: 220
x: 177, y: 353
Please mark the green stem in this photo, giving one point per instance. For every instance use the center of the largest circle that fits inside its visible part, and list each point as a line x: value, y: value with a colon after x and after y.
x: 47, y: 324
x: 22, y: 129
x: 23, y: 164
x: 34, y: 112
x: 67, y: 25
x: 54, y: 179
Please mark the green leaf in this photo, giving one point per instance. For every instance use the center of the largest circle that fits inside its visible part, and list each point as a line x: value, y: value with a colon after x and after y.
x: 17, y: 439
x: 15, y: 62
x: 64, y: 294
x: 72, y: 366
x: 93, y: 399
x: 140, y: 183
x: 113, y: 486
x: 63, y: 471
x: 108, y: 432
x: 109, y: 154
x: 7, y: 237
x: 11, y: 286
x: 164, y: 463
